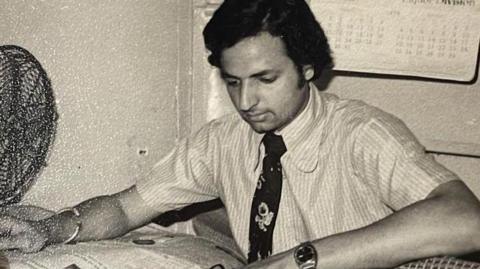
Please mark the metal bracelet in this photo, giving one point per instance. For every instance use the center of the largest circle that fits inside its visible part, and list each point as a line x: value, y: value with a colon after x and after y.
x: 75, y: 212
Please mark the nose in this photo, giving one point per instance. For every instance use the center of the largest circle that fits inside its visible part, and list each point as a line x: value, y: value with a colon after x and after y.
x: 247, y: 98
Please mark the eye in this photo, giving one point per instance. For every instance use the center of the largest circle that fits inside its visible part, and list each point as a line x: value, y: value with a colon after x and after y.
x: 267, y: 80
x: 232, y: 82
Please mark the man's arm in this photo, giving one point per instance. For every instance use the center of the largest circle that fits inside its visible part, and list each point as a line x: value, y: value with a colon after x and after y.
x: 100, y: 218
x: 447, y: 222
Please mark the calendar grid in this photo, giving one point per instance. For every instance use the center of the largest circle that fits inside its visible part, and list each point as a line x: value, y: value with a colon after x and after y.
x: 436, y: 38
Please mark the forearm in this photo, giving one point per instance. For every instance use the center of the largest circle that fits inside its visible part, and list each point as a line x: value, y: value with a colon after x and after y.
x: 102, y: 217
x: 439, y: 225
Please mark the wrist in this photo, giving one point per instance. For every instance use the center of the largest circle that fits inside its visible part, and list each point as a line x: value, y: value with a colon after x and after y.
x: 75, y: 216
x: 63, y: 227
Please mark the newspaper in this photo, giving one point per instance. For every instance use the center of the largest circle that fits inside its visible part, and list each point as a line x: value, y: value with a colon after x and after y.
x: 147, y: 247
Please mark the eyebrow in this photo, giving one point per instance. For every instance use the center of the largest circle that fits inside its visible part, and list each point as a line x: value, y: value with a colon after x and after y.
x: 224, y: 74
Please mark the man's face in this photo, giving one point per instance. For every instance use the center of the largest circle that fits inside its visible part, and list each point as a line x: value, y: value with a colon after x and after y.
x: 263, y: 82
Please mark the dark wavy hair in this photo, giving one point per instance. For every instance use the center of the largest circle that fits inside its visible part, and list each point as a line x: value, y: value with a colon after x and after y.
x: 292, y: 20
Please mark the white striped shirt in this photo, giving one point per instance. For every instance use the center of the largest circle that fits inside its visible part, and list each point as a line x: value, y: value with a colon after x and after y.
x: 347, y: 165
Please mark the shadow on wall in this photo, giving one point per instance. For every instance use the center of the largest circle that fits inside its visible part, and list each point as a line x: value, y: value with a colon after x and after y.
x: 28, y: 120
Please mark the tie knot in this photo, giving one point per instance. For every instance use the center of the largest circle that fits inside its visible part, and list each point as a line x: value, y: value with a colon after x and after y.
x: 274, y: 144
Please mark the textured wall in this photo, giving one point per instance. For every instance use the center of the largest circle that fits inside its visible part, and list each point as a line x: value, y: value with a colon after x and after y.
x: 114, y: 70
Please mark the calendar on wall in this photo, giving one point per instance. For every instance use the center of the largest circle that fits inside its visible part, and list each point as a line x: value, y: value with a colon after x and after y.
x: 425, y: 38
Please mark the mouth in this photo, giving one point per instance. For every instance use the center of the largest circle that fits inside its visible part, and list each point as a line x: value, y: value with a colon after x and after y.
x: 254, y: 117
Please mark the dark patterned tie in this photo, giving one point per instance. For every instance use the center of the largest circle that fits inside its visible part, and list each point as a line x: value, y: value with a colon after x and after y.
x: 266, y: 199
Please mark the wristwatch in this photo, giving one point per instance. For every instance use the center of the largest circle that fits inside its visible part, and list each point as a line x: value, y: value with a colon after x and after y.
x: 306, y: 256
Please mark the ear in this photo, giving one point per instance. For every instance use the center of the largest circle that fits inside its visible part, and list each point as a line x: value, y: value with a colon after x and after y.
x: 308, y: 72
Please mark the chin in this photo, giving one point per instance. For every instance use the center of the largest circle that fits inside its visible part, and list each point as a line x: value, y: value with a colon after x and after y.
x: 262, y: 127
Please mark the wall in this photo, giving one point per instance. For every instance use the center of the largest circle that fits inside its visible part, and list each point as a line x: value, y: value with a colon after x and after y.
x: 115, y: 67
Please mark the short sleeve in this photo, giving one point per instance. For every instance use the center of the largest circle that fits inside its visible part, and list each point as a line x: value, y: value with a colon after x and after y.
x: 183, y: 176
x: 394, y: 164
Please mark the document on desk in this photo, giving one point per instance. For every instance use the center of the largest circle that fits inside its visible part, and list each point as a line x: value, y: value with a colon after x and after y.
x: 141, y: 249
x: 425, y: 38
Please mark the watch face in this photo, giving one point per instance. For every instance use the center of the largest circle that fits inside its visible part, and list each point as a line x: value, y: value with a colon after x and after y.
x: 305, y: 253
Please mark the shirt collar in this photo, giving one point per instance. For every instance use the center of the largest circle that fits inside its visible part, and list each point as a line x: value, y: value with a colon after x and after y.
x: 302, y: 137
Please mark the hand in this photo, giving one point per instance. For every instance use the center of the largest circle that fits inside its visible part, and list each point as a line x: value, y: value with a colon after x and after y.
x: 27, y: 236
x: 282, y: 260
x: 20, y: 230
x: 26, y: 212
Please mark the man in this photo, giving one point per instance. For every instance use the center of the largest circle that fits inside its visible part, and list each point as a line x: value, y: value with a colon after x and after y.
x: 308, y: 180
